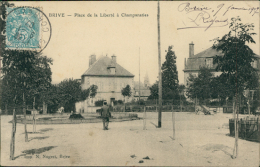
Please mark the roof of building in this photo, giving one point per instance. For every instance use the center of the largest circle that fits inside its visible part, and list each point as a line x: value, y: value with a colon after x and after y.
x: 196, y: 61
x: 101, y: 68
x: 195, y: 64
x: 210, y: 52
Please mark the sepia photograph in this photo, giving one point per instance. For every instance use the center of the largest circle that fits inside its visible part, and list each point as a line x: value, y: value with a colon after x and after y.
x: 130, y: 83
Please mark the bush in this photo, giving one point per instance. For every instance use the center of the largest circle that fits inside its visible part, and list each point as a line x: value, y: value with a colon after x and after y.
x: 118, y: 108
x: 120, y: 102
x: 141, y: 102
x: 99, y: 103
x: 76, y: 116
x: 115, y: 102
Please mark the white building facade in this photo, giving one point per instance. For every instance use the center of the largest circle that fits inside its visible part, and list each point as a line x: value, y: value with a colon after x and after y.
x: 110, y: 78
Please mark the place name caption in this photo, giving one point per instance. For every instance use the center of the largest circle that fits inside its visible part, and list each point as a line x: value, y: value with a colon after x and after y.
x: 97, y: 15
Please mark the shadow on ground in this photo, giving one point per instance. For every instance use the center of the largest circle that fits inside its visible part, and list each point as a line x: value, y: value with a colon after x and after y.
x: 154, y: 124
x: 46, y: 129
x: 40, y: 131
x: 39, y: 138
x: 35, y: 151
x: 33, y: 133
x: 218, y: 147
x: 242, y: 138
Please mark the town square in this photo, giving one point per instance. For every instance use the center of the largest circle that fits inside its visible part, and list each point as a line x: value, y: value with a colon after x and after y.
x: 154, y: 83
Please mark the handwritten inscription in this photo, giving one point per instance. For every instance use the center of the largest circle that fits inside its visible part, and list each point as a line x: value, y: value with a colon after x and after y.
x: 208, y: 17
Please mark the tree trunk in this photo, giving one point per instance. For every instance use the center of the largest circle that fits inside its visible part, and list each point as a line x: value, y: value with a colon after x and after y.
x: 12, y: 144
x: 44, y: 108
x: 25, y: 121
x: 6, y: 111
x: 235, y: 128
x: 124, y: 106
x: 144, y: 119
x: 34, y: 113
x: 248, y: 106
x: 235, y: 113
x: 173, y: 123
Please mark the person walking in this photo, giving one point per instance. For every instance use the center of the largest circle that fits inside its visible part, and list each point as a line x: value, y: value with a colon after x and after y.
x: 105, y: 114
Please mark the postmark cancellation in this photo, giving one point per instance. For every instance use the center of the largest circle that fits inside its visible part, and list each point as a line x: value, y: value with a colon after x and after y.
x: 27, y: 28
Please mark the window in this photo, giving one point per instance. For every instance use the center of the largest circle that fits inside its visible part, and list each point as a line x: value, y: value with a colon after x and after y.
x: 83, y: 80
x: 254, y: 64
x: 209, y: 62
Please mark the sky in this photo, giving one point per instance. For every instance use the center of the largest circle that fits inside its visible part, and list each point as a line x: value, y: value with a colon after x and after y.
x: 74, y: 39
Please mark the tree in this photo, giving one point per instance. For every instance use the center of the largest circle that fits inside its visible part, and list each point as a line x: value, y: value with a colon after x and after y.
x: 67, y: 93
x: 181, y: 89
x: 235, y: 64
x: 27, y: 71
x: 22, y: 74
x: 221, y: 89
x: 126, y: 92
x: 170, y: 80
x: 154, y: 91
x: 200, y: 87
x: 42, y: 78
x: 3, y: 15
x: 51, y: 98
x: 93, y: 91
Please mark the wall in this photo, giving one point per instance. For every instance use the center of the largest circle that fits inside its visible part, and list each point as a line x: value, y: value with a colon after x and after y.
x: 108, y: 87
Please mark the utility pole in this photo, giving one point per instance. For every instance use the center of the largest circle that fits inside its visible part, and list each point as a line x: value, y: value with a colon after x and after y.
x: 34, y: 114
x: 139, y: 77
x: 160, y: 75
x: 236, y: 110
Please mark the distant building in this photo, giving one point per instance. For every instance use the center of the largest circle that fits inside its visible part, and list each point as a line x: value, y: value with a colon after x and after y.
x: 205, y: 58
x: 146, y: 80
x: 144, y: 89
x: 110, y: 78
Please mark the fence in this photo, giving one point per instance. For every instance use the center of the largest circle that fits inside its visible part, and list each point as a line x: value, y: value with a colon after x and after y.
x: 152, y: 108
x: 248, y: 128
x: 164, y: 102
x: 65, y: 120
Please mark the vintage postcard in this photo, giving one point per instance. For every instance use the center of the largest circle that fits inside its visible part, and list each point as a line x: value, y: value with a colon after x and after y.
x: 130, y: 83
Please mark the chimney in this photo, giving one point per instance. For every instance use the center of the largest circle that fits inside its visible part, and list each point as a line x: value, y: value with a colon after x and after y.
x: 92, y: 59
x: 113, y: 58
x: 191, y: 49
x: 112, y: 66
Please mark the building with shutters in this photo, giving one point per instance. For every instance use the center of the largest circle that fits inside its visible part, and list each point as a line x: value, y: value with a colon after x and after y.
x: 110, y: 78
x: 205, y: 58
